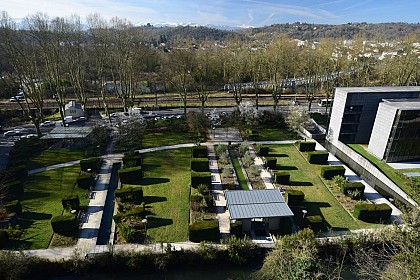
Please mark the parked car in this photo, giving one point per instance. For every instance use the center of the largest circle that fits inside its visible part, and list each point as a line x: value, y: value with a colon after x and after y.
x: 13, y: 99
x: 82, y: 119
x: 47, y: 123
x: 12, y: 133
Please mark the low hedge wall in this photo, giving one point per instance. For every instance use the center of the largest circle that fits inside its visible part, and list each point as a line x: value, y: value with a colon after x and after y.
x: 372, y: 213
x: 263, y: 151
x: 132, y: 160
x: 131, y: 175
x: 85, y: 180
x: 65, y: 224
x: 14, y: 189
x: 200, y: 164
x: 129, y: 193
x: 282, y: 177
x: 206, y: 230
x: 271, y: 162
x: 353, y: 189
x: 306, y: 146
x: 294, y: 197
x: 198, y: 178
x: 199, y: 152
x: 4, y: 238
x: 316, y: 222
x: 71, y: 202
x: 13, y: 207
x: 318, y: 157
x: 91, y: 164
x: 328, y: 172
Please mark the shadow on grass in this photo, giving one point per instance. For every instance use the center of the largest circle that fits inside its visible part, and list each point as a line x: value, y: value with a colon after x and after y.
x: 278, y: 155
x: 28, y: 195
x: 149, y: 166
x: 153, y: 199
x: 153, y: 222
x: 28, y: 218
x: 153, y: 181
x: 284, y: 167
x: 299, y: 183
x: 314, y: 208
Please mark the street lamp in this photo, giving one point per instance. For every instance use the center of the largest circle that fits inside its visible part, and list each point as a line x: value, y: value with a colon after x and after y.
x: 144, y: 221
x: 304, y: 213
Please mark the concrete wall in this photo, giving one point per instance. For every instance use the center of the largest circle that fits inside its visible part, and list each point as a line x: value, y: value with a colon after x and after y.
x: 367, y: 171
x: 382, y: 129
x: 336, y: 115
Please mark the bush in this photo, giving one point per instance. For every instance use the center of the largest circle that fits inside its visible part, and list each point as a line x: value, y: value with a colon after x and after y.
x: 129, y: 193
x: 130, y: 175
x: 14, y: 189
x: 199, y: 152
x: 318, y: 157
x: 137, y: 211
x: 203, y: 189
x: 71, y: 202
x: 198, y: 198
x: 4, y: 237
x: 271, y: 162
x: 132, y: 160
x: 65, y: 224
x: 198, y: 178
x: 263, y: 151
x: 91, y: 164
x: 206, y: 230
x: 372, y: 213
x: 294, y: 197
x: 353, y: 189
x: 328, y: 172
x: 282, y: 177
x: 209, y: 200
x: 200, y: 164
x: 13, y: 207
x: 85, y: 180
x: 316, y: 222
x: 306, y: 146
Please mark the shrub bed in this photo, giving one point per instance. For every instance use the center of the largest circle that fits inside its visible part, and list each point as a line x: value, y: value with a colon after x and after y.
x: 318, y: 157
x: 263, y: 151
x: 130, y: 175
x: 294, y: 197
x: 282, y: 177
x: 271, y: 162
x: 206, y: 230
x: 71, y: 202
x: 316, y: 222
x: 200, y: 164
x: 372, y: 213
x: 353, y: 189
x: 13, y: 207
x: 90, y: 164
x: 328, y: 172
x: 65, y: 224
x: 198, y: 178
x: 85, y: 180
x: 129, y: 193
x: 306, y: 146
x: 199, y: 152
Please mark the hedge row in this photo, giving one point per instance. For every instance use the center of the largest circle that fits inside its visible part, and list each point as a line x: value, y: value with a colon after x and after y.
x: 206, y: 230
x: 198, y: 178
x: 328, y: 172
x: 354, y: 189
x: 130, y: 175
x: 318, y: 157
x: 306, y: 146
x: 271, y: 162
x: 14, y: 189
x: 294, y: 197
x: 136, y: 211
x: 129, y: 194
x: 90, y: 164
x: 200, y: 164
x: 282, y: 177
x: 132, y: 160
x: 85, y: 180
x: 372, y: 213
x: 263, y: 151
x: 71, y: 202
x: 316, y: 222
x: 65, y: 224
x: 199, y: 152
x: 13, y: 207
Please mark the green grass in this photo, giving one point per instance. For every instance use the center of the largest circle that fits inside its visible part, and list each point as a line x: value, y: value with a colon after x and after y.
x: 318, y: 199
x: 42, y: 201
x: 396, y: 176
x: 166, y: 188
x: 51, y: 157
x: 238, y: 170
x: 275, y: 134
x: 157, y: 139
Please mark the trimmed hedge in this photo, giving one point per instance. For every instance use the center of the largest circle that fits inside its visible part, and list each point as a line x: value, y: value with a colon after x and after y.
x: 200, y: 164
x: 263, y: 151
x: 71, y: 201
x: 282, y: 177
x: 129, y: 193
x: 316, y: 222
x: 13, y: 207
x: 354, y: 189
x: 286, y: 226
x: 14, y: 189
x: 328, y: 172
x: 372, y: 213
x: 90, y: 163
x: 198, y: 178
x: 199, y: 152
x: 132, y: 160
x: 271, y: 162
x: 130, y: 175
x: 307, y: 146
x: 318, y: 157
x: 206, y: 230
x: 65, y: 224
x: 4, y: 237
x: 294, y: 197
x: 85, y: 180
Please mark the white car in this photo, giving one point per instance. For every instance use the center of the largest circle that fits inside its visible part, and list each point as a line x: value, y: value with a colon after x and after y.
x: 82, y: 119
x: 11, y: 133
x: 13, y: 99
x: 47, y: 123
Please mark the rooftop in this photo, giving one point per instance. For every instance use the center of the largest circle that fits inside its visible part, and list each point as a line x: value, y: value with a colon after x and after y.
x: 405, y: 104
x: 71, y: 132
x: 378, y: 89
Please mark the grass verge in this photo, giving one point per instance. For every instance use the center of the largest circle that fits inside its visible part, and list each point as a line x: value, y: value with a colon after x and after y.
x: 51, y: 157
x: 238, y: 170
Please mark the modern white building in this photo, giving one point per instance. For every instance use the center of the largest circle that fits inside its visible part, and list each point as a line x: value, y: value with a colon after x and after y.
x: 74, y: 109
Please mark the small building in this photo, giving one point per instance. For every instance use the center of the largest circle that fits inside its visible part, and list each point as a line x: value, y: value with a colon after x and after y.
x: 74, y: 110
x: 257, y: 207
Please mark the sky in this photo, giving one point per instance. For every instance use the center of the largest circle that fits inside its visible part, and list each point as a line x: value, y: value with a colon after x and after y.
x: 244, y: 13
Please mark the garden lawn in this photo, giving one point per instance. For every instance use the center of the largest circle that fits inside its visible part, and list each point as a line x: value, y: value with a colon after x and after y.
x: 166, y: 188
x: 318, y: 199
x: 238, y: 170
x: 51, y: 157
x: 275, y: 134
x: 42, y: 201
x: 165, y: 138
